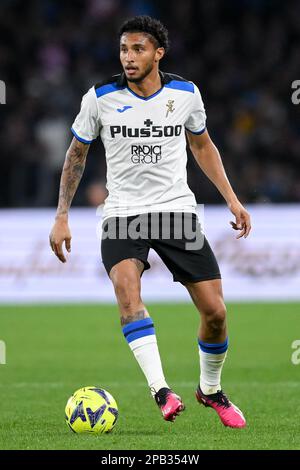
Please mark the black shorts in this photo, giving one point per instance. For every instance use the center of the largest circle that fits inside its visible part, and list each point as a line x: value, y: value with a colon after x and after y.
x: 182, y: 247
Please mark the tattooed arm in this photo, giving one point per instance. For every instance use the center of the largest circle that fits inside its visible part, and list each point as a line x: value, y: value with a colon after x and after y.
x: 71, y: 175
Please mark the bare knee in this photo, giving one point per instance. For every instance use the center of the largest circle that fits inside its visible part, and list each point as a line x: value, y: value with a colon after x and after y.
x: 126, y: 284
x: 214, y: 317
x: 127, y: 291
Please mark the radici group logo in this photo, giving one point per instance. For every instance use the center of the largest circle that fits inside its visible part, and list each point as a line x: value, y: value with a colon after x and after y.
x: 145, y: 153
x: 2, y: 92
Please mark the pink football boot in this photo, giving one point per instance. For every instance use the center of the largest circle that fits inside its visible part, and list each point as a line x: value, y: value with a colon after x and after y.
x: 169, y: 403
x: 228, y: 413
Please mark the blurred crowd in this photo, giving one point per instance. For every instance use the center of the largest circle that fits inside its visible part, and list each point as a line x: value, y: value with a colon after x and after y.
x: 243, y: 55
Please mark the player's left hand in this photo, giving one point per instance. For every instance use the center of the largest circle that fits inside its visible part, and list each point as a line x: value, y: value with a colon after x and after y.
x: 242, y: 219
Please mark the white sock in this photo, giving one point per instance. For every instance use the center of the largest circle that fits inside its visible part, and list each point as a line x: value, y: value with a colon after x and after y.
x: 141, y: 338
x: 212, y: 358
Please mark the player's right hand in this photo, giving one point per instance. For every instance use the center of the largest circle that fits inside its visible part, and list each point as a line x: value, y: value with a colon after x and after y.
x: 59, y: 234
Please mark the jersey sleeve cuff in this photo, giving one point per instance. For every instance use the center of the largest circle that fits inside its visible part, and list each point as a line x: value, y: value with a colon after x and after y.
x: 196, y: 132
x: 84, y: 141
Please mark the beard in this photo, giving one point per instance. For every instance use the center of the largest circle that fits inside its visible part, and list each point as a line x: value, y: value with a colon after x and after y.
x: 146, y: 72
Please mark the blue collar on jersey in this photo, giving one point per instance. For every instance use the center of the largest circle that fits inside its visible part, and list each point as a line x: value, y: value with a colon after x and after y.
x: 119, y: 81
x: 165, y: 79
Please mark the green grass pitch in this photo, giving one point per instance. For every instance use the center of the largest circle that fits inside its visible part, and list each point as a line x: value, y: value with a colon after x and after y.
x: 53, y: 350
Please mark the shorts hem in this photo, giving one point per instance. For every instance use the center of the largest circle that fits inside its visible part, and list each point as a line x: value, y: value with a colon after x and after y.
x: 198, y: 279
x: 145, y: 262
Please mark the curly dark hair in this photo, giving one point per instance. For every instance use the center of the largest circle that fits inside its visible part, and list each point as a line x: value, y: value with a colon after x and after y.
x: 148, y: 25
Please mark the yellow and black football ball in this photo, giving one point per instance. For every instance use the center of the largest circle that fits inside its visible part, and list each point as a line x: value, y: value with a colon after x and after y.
x: 91, y: 410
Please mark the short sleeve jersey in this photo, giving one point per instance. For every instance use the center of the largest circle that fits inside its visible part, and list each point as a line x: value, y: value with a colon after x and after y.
x: 144, y: 141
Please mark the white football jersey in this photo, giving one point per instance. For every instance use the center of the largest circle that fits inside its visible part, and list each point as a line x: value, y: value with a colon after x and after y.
x: 145, y: 143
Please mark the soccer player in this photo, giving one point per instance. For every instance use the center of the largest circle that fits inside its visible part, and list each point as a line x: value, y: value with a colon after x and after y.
x: 143, y: 117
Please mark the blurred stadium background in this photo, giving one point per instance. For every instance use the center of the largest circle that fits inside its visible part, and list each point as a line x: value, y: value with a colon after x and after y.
x: 244, y: 56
